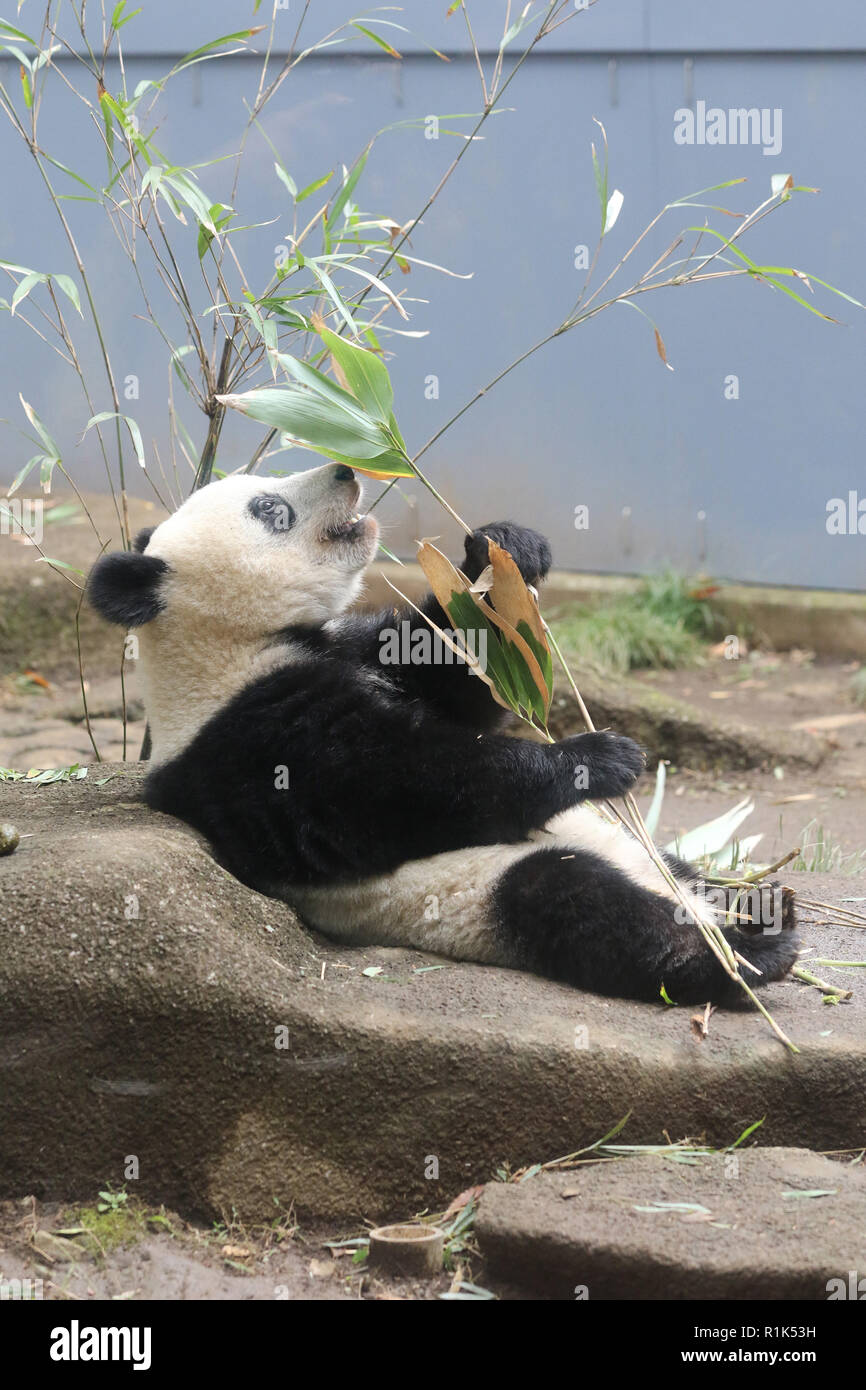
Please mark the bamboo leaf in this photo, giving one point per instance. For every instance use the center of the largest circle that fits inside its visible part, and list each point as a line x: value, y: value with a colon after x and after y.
x: 614, y: 208
x: 601, y: 176
x: 651, y: 819
x: 69, y: 288
x: 23, y: 288
x: 511, y: 665
x: 24, y: 473
x: 377, y: 39
x: 59, y: 564
x: 312, y: 187
x: 7, y: 28
x: 711, y: 838
x: 207, y: 49
x: 40, y: 429
x: 311, y: 377
x: 379, y: 285
x: 333, y: 294
x: 312, y: 419
x: 131, y: 425
x: 285, y: 177
x: 526, y: 17
x: 349, y: 182
x: 116, y: 21
x: 366, y: 375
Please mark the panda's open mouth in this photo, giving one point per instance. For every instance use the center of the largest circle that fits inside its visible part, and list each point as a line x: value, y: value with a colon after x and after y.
x: 354, y: 528
x: 347, y: 530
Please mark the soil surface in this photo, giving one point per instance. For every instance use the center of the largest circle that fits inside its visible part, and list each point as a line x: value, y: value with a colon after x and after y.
x: 772, y: 692
x: 165, y: 1257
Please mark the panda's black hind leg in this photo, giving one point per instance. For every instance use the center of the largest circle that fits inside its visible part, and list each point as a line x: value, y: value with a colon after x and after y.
x: 571, y: 916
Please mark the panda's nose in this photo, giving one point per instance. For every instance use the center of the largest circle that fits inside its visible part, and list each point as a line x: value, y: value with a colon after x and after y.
x: 343, y: 474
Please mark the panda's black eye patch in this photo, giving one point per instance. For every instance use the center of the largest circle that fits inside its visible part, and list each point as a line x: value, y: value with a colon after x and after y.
x: 273, y: 512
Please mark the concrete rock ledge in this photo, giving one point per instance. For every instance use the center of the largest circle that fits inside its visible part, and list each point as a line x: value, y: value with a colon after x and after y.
x: 142, y: 990
x: 727, y: 1226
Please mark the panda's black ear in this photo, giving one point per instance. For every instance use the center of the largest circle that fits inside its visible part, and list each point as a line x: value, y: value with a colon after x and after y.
x: 125, y: 587
x: 141, y: 540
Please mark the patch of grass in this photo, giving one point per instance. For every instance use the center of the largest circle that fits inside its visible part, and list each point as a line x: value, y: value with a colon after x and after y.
x: 113, y: 1220
x: 663, y: 624
x: 819, y: 854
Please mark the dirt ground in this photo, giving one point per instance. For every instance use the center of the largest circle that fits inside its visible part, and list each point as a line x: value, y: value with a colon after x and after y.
x: 777, y: 691
x: 153, y: 1254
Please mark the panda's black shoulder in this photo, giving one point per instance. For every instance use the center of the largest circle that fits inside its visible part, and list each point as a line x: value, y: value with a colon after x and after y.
x: 309, y: 638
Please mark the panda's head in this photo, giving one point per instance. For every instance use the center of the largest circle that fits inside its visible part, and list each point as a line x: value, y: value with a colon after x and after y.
x: 248, y: 556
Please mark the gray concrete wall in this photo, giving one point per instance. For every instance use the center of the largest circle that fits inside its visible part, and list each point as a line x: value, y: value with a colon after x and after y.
x: 594, y: 419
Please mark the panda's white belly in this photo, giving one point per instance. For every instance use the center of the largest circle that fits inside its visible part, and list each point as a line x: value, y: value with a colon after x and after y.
x: 443, y: 903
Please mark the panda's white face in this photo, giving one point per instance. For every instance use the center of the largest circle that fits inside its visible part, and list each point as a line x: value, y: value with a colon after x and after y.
x: 214, y: 587
x: 254, y: 555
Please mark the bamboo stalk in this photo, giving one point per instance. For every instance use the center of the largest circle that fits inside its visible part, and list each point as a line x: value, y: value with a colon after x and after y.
x: 835, y: 990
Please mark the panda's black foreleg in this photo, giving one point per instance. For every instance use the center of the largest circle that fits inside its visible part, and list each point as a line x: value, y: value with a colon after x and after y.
x: 571, y: 916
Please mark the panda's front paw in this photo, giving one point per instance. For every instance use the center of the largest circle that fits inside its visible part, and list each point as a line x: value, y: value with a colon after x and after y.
x: 603, y: 764
x: 529, y: 550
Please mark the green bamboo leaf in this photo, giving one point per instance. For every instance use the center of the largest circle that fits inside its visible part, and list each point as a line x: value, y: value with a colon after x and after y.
x: 179, y: 368
x: 333, y: 294
x: 517, y: 28
x: 64, y: 168
x: 116, y: 21
x: 207, y: 49
x: 105, y: 103
x: 313, y: 419
x: 713, y: 188
x: 801, y: 275
x: 366, y: 375
x: 540, y: 652
x: 349, y: 182
x: 312, y: 187
x: 17, y: 53
x: 285, y: 177
x: 7, y: 28
x: 747, y: 1132
x: 468, y: 619
x: 220, y: 214
x: 377, y: 39
x: 25, y: 471
x: 40, y: 429
x: 18, y: 269
x: 389, y: 464
x: 69, y: 288
x: 768, y: 273
x: 395, y: 430
x: 131, y: 425
x: 311, y: 377
x: 183, y: 184
x: 61, y: 564
x: 601, y: 176
x: 24, y: 287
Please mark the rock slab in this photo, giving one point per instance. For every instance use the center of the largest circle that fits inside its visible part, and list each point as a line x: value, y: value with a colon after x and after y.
x: 752, y: 1223
x: 151, y: 1007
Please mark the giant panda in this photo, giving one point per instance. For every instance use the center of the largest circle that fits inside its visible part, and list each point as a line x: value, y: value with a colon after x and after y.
x: 381, y: 801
